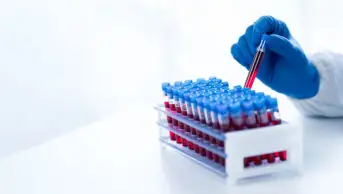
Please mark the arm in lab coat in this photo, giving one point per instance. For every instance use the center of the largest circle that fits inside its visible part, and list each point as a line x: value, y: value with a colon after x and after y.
x: 328, y: 102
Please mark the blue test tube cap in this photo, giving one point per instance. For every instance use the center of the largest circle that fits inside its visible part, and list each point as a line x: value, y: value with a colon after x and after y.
x: 187, y: 96
x: 165, y: 85
x: 260, y: 104
x: 247, y: 105
x: 272, y: 102
x: 260, y: 94
x: 188, y: 82
x: 212, y: 78
x: 206, y: 102
x: 199, y: 100
x: 178, y: 83
x: 201, y: 80
x: 237, y: 88
x: 225, y: 84
x: 235, y: 109
x: 222, y: 109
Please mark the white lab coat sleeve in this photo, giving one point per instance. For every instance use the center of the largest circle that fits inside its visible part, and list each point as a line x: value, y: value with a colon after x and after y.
x: 328, y: 102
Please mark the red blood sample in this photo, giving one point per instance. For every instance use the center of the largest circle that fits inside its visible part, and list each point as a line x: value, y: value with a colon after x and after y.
x: 246, y: 162
x: 207, y: 137
x: 220, y: 143
x: 222, y: 161
x: 202, y: 151
x: 178, y: 109
x: 271, y: 158
x: 190, y: 116
x: 175, y: 123
x: 166, y: 104
x: 190, y: 145
x: 269, y: 116
x: 213, y: 140
x: 257, y: 160
x: 178, y: 139
x: 193, y: 131
x: 216, y: 158
x: 203, y: 121
x: 224, y: 127
x: 209, y: 154
x: 196, y: 148
x: 200, y: 134
x: 172, y: 136
x: 216, y: 125
x: 181, y: 125
x: 283, y: 155
x: 169, y: 119
x: 172, y: 107
x: 184, y: 113
x: 277, y: 122
x: 184, y: 142
x: 254, y: 69
x: 187, y: 128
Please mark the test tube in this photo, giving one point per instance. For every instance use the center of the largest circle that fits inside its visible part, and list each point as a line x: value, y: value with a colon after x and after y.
x: 214, y: 115
x: 223, y: 117
x: 172, y: 108
x: 165, y: 94
x: 250, y: 119
x: 194, y: 106
x: 207, y: 111
x: 176, y: 99
x: 200, y: 107
x: 273, y: 111
x: 261, y: 109
x: 236, y: 116
x: 188, y: 104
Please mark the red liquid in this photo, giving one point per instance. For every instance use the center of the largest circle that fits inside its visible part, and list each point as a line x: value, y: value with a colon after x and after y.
x: 169, y: 119
x: 187, y: 128
x: 269, y: 114
x: 181, y: 125
x: 271, y: 158
x: 203, y: 121
x: 222, y: 161
x: 196, y: 148
x: 184, y: 113
x: 276, y: 154
x: 175, y: 123
x: 277, y: 122
x: 190, y: 116
x: 172, y: 107
x: 224, y: 127
x: 199, y: 134
x: 190, y: 145
x: 220, y: 143
x: 178, y: 139
x: 172, y: 136
x: 202, y: 151
x: 216, y: 125
x: 166, y: 104
x: 194, y: 131
x: 209, y: 155
x: 207, y: 137
x: 184, y: 142
x: 252, y: 126
x: 246, y: 162
x: 216, y: 158
x: 257, y: 161
x: 213, y: 141
x: 283, y: 155
x: 254, y: 69
x: 178, y: 109
x: 237, y: 127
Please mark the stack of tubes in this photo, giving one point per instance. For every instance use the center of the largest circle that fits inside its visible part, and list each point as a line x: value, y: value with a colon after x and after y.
x: 211, y: 102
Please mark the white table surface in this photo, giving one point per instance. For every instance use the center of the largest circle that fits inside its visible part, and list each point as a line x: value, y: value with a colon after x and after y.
x: 121, y: 154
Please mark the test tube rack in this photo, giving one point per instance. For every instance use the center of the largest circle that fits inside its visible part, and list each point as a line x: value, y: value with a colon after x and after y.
x: 239, y: 146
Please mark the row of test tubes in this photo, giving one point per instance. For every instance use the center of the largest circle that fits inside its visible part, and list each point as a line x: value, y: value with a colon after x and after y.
x: 211, y: 102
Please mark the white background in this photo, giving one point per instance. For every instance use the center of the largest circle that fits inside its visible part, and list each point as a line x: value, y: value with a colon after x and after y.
x: 68, y: 63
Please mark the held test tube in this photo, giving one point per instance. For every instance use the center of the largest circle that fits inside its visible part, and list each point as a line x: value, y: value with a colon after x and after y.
x: 255, y: 64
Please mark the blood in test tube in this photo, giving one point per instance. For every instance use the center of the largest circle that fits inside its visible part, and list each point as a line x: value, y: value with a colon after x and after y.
x: 178, y: 139
x: 236, y: 116
x: 264, y: 159
x: 190, y: 145
x: 214, y: 115
x: 165, y: 87
x: 222, y: 161
x: 246, y: 162
x: 188, y: 105
x: 202, y: 151
x: 207, y: 111
x: 207, y: 137
x: 216, y: 158
x: 273, y: 110
x: 261, y: 109
x: 250, y: 118
x: 194, y: 106
x: 193, y: 131
x: 184, y: 142
x: 209, y: 155
x: 283, y: 155
x: 196, y: 148
x: 277, y: 156
x: 257, y: 160
x: 172, y: 108
x: 223, y: 117
x: 271, y: 158
x: 200, y: 107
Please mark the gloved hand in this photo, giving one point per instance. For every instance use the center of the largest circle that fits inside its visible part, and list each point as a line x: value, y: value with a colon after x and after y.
x: 284, y: 68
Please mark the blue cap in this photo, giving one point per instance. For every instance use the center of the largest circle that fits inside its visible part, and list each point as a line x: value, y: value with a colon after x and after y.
x: 272, y: 103
x: 199, y: 100
x: 182, y: 94
x: 212, y: 78
x: 213, y: 105
x: 193, y: 97
x: 260, y: 104
x: 237, y: 88
x: 187, y: 96
x: 252, y: 92
x: 260, y: 94
x: 165, y: 85
x: 176, y: 92
x: 177, y: 83
x: 225, y: 84
x: 222, y: 108
x: 206, y: 103
x: 235, y: 108
x: 247, y: 105
x: 188, y: 82
x: 200, y: 80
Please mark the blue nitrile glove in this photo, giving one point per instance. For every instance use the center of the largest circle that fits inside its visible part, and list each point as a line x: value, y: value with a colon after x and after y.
x: 284, y: 68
